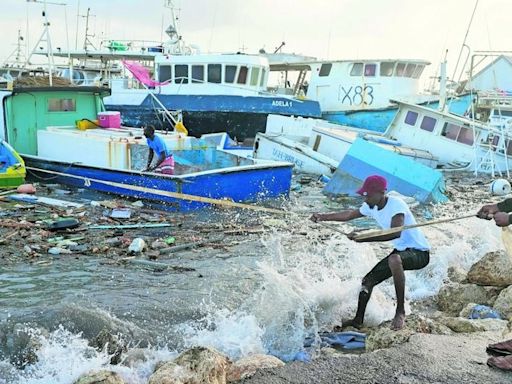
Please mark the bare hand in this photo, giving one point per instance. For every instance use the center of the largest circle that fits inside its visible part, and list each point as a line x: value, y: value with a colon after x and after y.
x: 501, y: 219
x: 316, y: 217
x: 487, y: 211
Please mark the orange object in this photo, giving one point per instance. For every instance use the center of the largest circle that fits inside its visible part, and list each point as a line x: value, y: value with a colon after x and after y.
x: 26, y: 188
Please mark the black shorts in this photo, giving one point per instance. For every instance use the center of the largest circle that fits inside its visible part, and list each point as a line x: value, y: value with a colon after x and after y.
x: 411, y: 259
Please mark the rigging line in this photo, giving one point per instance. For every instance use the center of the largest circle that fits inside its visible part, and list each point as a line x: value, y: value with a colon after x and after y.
x: 464, y: 41
x: 213, y: 25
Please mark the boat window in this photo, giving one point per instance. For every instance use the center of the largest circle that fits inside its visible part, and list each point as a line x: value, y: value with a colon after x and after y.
x: 399, y: 70
x: 357, y: 69
x: 255, y: 73
x: 498, y: 112
x: 198, y: 74
x: 325, y: 69
x: 214, y: 73
x: 229, y: 73
x: 386, y: 69
x: 428, y: 123
x: 242, y: 75
x: 418, y: 71
x: 465, y: 136
x: 263, y: 73
x: 370, y: 69
x: 164, y: 73
x: 450, y: 131
x: 61, y: 105
x: 495, y: 141
x: 181, y: 74
x: 409, y: 70
x: 411, y: 118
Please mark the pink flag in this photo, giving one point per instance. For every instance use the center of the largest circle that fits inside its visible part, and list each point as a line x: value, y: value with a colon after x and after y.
x: 141, y: 73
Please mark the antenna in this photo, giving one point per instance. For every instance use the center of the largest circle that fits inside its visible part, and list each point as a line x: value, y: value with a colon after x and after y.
x: 45, y: 37
x: 20, y: 59
x: 280, y: 47
x: 87, y: 41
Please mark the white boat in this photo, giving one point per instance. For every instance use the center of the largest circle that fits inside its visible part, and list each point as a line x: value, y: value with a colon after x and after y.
x: 358, y: 93
x: 316, y: 146
x: 458, y: 142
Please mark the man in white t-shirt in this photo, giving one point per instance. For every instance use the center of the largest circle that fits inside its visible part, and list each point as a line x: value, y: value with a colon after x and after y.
x: 411, y: 248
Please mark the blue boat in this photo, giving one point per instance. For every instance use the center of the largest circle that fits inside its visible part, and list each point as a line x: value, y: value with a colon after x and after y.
x: 43, y: 125
x: 404, y: 175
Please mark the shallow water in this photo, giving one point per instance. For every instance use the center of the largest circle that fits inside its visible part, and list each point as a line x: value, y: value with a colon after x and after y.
x: 265, y: 295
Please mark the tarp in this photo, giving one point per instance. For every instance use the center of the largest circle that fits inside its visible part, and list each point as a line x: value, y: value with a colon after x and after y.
x: 141, y: 73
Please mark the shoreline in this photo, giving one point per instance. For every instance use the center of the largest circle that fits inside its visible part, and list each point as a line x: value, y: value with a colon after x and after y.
x: 425, y: 358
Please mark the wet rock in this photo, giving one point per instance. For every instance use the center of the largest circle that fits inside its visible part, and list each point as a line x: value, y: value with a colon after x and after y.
x: 134, y: 356
x: 100, y: 377
x: 454, y: 296
x: 195, y: 366
x: 503, y: 303
x: 114, y: 345
x: 495, y: 269
x: 385, y: 337
x: 456, y: 274
x: 247, y: 366
x: 460, y: 325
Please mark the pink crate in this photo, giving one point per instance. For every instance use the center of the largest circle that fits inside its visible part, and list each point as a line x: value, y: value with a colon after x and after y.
x: 111, y: 119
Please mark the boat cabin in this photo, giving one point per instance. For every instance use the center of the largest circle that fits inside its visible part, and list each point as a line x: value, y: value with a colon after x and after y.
x: 344, y: 85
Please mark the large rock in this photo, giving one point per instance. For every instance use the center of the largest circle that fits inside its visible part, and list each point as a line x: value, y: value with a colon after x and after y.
x: 197, y: 365
x: 247, y: 366
x: 100, y: 377
x: 385, y: 337
x: 453, y: 297
x: 460, y: 325
x: 495, y: 269
x: 112, y: 343
x: 503, y: 303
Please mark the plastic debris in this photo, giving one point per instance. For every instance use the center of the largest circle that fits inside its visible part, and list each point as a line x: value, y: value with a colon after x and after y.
x: 137, y: 245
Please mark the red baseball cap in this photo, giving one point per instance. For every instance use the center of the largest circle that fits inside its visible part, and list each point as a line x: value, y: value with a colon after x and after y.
x: 374, y: 183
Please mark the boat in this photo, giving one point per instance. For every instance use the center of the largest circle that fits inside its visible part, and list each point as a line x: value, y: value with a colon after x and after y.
x: 316, y: 146
x: 458, y: 142
x: 211, y: 92
x: 41, y: 124
x: 12, y: 167
x: 404, y: 175
x: 359, y: 93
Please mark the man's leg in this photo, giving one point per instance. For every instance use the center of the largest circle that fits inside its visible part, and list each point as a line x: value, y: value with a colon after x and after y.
x: 397, y: 270
x: 378, y: 274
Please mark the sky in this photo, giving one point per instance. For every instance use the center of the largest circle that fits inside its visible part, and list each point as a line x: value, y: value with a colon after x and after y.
x: 326, y: 29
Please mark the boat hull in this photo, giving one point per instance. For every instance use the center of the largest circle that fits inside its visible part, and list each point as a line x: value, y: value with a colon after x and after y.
x: 378, y: 120
x: 240, y: 116
x: 240, y: 184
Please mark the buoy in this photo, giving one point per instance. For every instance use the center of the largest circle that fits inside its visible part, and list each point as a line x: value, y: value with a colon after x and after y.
x: 500, y: 187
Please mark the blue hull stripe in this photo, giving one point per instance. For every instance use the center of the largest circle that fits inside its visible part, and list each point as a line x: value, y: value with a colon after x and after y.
x: 222, y: 103
x: 379, y: 120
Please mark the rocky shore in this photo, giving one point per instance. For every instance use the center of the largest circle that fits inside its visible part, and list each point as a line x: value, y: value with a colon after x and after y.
x: 438, y: 344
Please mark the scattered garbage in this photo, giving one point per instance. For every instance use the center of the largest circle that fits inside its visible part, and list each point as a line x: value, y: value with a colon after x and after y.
x: 26, y: 188
x: 137, y: 245
x: 121, y: 213
x: 480, y: 311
